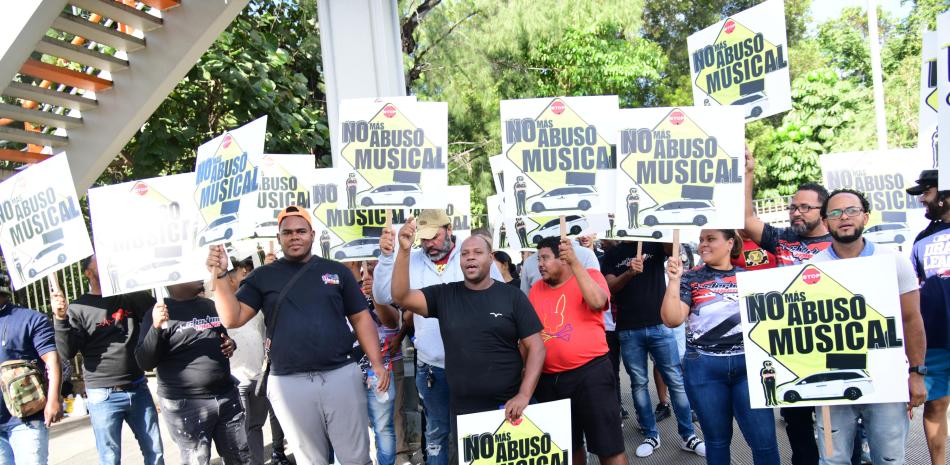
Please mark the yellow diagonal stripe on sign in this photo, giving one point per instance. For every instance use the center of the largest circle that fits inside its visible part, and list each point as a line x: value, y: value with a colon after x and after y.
x: 706, y: 78
x: 525, y: 430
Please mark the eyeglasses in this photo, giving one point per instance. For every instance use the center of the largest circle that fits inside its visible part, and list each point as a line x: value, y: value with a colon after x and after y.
x: 849, y: 212
x: 802, y: 208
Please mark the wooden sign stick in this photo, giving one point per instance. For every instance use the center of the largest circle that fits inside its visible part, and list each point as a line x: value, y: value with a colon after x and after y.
x: 563, y: 228
x: 640, y: 250
x: 53, y: 284
x: 826, y: 425
x: 676, y: 243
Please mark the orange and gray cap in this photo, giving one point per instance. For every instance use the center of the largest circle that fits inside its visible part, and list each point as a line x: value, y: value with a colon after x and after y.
x: 294, y: 210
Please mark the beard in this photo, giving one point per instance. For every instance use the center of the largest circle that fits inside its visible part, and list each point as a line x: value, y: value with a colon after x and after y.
x: 848, y: 238
x: 805, y: 227
x: 935, y: 210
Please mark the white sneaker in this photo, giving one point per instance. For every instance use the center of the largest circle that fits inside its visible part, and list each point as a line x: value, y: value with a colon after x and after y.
x: 646, y: 448
x: 694, y: 445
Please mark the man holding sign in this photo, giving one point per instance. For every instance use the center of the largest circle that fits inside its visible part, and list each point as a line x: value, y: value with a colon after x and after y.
x: 483, y: 322
x: 844, y: 213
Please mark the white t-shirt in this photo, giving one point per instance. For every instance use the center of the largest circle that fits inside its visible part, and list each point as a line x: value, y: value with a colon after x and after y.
x: 906, y: 277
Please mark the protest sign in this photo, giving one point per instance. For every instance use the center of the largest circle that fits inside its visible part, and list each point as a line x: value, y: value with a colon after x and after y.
x: 42, y: 228
x: 679, y: 167
x: 542, y: 436
x: 343, y: 234
x: 146, y: 234
x: 458, y: 209
x: 525, y: 232
x: 226, y: 172
x: 496, y: 222
x: 284, y: 180
x: 393, y: 152
x: 927, y: 110
x: 554, y: 151
x: 824, y: 334
x: 743, y: 61
x: 943, y: 94
x: 896, y: 216
x: 497, y: 164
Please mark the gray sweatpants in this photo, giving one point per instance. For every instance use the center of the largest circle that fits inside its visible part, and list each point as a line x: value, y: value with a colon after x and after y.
x: 318, y: 408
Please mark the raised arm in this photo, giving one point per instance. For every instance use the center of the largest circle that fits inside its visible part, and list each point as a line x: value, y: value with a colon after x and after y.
x: 233, y: 314
x: 594, y: 296
x: 673, y: 310
x: 382, y: 275
x: 753, y: 225
x: 409, y: 299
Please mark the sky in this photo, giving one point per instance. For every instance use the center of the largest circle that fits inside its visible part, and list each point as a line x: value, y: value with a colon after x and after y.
x: 823, y: 10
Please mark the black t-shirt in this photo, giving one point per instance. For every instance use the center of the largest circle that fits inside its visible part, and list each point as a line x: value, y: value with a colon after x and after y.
x: 186, y: 355
x: 481, y: 330
x: 638, y: 303
x: 311, y: 332
x: 789, y: 247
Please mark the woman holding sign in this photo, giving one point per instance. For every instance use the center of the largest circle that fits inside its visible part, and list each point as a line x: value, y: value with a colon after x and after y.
x: 714, y: 365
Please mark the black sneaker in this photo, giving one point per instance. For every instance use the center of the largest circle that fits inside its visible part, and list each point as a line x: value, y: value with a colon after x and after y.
x: 663, y: 411
x: 624, y: 414
x: 278, y: 458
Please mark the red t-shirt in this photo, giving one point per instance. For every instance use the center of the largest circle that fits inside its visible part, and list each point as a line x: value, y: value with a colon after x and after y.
x: 573, y: 333
x: 754, y: 257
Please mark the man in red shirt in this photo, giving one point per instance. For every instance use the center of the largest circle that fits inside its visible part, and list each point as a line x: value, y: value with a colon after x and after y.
x: 570, y: 301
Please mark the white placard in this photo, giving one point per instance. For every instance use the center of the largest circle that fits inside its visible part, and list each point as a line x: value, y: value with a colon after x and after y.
x: 484, y: 437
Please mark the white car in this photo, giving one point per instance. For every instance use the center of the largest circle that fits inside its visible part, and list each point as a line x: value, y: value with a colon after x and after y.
x: 695, y: 212
x: 838, y: 384
x: 888, y: 233
x: 575, y: 224
x: 221, y: 228
x: 266, y: 229
x: 365, y: 247
x: 392, y: 194
x: 46, y: 259
x: 755, y: 103
x: 153, y: 273
x: 565, y: 198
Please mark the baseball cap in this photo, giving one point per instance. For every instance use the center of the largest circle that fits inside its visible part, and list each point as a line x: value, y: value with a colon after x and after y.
x: 927, y: 179
x: 430, y: 221
x: 294, y: 210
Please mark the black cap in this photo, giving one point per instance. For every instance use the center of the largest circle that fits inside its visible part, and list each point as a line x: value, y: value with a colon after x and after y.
x: 928, y: 179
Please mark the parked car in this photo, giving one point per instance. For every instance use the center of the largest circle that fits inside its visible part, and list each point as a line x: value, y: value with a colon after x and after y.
x: 565, y: 198
x: 838, y: 384
x: 392, y: 194
x: 221, y: 228
x: 364, y: 247
x: 695, y: 212
x: 575, y: 224
x: 154, y: 273
x: 888, y: 233
x: 46, y: 259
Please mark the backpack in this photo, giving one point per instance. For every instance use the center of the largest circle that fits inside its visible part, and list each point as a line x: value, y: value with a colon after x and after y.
x: 23, y: 387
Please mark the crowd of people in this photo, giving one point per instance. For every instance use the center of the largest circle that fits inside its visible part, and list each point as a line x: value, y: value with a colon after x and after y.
x: 315, y: 345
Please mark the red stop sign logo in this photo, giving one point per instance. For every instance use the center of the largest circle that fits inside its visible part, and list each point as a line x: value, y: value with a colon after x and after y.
x: 227, y: 141
x: 268, y: 161
x: 729, y: 26
x: 811, y: 276
x: 389, y: 111
x: 140, y: 188
x: 557, y: 107
x: 677, y: 117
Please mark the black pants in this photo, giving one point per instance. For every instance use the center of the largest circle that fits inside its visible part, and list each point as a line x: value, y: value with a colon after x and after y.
x: 613, y: 344
x: 194, y: 423
x: 800, y: 428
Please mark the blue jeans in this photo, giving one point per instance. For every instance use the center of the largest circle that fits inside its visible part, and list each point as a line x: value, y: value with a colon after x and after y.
x: 435, y: 401
x: 24, y: 443
x: 721, y: 390
x: 381, y: 419
x: 885, y: 424
x: 108, y: 409
x: 660, y: 342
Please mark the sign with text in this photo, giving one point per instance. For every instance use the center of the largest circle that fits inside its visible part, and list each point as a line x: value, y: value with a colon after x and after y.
x: 284, y: 180
x: 555, y: 151
x: 146, y: 234
x: 896, y: 216
x: 679, y: 168
x: 42, y: 229
x: 743, y: 61
x: 226, y: 173
x: 525, y: 232
x: 542, y: 436
x: 828, y: 333
x: 927, y: 110
x: 943, y: 97
x: 393, y: 153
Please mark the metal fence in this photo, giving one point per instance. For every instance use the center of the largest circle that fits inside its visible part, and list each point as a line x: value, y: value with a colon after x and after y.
x: 36, y: 295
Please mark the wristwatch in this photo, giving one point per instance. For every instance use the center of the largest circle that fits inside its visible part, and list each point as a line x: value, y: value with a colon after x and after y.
x: 919, y: 369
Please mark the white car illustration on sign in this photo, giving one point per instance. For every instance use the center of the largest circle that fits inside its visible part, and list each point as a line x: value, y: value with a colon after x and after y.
x: 365, y: 247
x: 695, y: 212
x: 46, y: 259
x: 847, y: 384
x: 565, y: 198
x: 575, y: 224
x: 888, y: 233
x: 221, y: 228
x: 156, y: 272
x: 392, y: 194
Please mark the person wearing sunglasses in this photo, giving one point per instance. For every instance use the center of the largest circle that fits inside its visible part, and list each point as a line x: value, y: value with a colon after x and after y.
x: 845, y: 213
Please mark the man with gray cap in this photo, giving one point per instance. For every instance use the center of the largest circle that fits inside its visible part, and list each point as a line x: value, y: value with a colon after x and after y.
x: 931, y: 259
x: 437, y: 261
